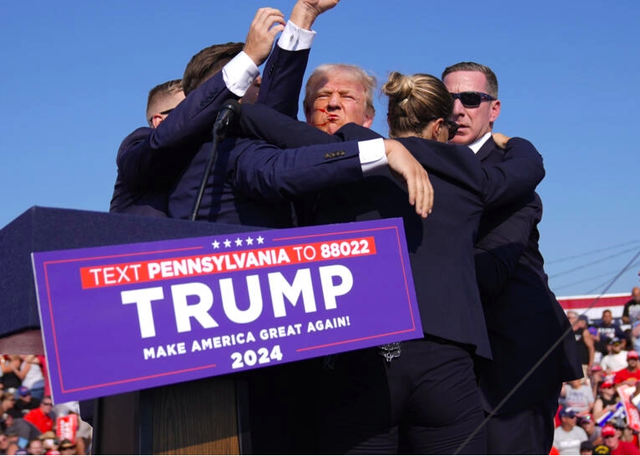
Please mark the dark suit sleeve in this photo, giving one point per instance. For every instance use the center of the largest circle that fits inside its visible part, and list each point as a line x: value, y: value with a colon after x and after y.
x: 156, y: 161
x: 262, y: 122
x: 266, y: 172
x: 515, y: 177
x: 282, y: 80
x: 498, y: 252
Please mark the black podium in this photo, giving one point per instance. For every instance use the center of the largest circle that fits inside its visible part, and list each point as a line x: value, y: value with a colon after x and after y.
x: 207, y: 416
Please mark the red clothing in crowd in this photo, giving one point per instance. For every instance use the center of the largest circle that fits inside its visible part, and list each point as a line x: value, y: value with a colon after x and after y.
x: 625, y: 448
x: 626, y: 374
x: 39, y: 420
x: 43, y: 366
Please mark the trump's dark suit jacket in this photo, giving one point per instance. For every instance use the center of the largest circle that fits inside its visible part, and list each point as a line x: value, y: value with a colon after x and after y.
x: 523, y: 317
x: 440, y: 247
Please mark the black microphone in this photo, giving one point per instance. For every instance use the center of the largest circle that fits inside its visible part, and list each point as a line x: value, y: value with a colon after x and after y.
x: 228, y: 112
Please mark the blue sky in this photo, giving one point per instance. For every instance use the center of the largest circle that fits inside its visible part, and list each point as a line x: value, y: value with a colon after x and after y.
x: 75, y: 76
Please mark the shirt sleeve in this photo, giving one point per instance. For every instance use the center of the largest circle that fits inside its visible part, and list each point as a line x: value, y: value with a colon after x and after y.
x: 239, y: 74
x: 373, y: 157
x: 294, y: 38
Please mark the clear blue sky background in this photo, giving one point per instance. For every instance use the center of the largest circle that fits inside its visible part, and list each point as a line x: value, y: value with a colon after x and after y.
x: 75, y: 76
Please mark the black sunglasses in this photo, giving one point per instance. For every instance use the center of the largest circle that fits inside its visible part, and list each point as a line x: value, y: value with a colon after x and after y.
x: 453, y: 128
x: 472, y: 99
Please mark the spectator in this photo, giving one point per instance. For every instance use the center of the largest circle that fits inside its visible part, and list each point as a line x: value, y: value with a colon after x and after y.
x: 631, y: 373
x: 41, y: 417
x: 25, y: 402
x: 597, y: 377
x: 617, y: 359
x: 607, y: 400
x: 627, y: 434
x: 13, y: 371
x: 584, y: 340
x: 35, y: 446
x: 607, y: 330
x: 7, y: 402
x: 6, y: 446
x: 586, y: 447
x: 577, y: 396
x: 84, y: 436
x: 14, y: 440
x: 568, y: 437
x: 587, y: 423
x: 66, y: 447
x: 632, y: 307
x: 34, y: 379
x: 635, y: 335
x: 49, y: 441
x: 612, y: 440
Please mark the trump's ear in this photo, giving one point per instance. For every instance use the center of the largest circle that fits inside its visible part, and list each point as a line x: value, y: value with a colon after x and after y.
x: 368, y: 120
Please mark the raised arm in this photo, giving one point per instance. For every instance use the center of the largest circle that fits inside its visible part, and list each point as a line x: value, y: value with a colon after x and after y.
x: 284, y: 72
x: 266, y: 172
x: 152, y: 161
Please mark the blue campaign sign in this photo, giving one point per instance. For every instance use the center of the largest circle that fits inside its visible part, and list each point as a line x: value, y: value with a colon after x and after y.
x: 128, y: 317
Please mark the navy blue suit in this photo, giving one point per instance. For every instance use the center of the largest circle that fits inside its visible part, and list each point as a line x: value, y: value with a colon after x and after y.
x: 524, y: 320
x: 129, y: 200
x: 441, y: 253
x: 151, y: 161
x: 221, y: 202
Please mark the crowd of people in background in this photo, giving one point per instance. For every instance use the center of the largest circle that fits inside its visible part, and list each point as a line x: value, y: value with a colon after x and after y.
x: 598, y: 414
x: 30, y: 420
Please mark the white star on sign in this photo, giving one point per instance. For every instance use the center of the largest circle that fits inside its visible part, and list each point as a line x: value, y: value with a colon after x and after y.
x: 227, y: 243
x: 238, y: 242
x: 249, y: 240
x: 215, y: 244
x: 260, y: 240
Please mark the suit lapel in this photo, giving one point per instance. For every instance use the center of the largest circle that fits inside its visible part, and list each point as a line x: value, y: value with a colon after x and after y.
x: 486, y: 149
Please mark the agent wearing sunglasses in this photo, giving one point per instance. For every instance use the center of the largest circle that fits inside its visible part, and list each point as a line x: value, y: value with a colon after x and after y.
x: 515, y: 293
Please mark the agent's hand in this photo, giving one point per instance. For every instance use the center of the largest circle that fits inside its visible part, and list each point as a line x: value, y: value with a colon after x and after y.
x: 266, y: 25
x: 404, y: 166
x: 305, y: 12
x: 501, y: 140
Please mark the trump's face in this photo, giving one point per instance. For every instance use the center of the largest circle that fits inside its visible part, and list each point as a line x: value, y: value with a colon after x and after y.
x: 338, y: 99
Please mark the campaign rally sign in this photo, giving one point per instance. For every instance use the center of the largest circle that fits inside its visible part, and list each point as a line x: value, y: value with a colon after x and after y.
x: 127, y: 317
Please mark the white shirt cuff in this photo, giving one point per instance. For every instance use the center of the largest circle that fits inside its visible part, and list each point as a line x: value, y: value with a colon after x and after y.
x: 240, y: 73
x: 373, y: 157
x: 294, y: 38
